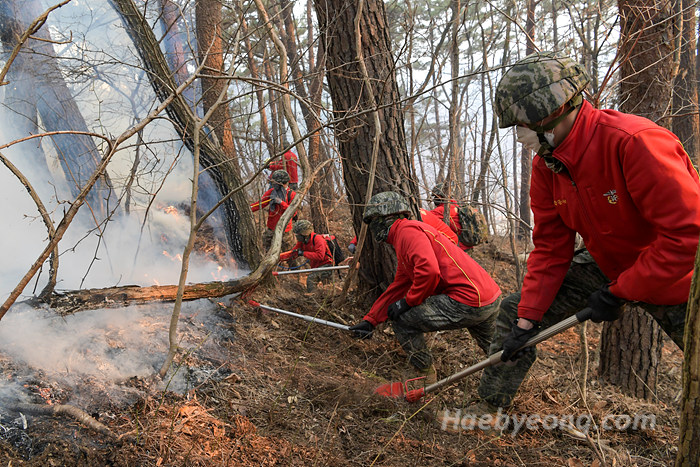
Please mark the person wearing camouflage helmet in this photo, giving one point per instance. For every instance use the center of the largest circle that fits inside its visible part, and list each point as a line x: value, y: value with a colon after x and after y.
x: 276, y: 200
x: 623, y: 183
x: 439, y: 193
x: 313, y: 247
x: 280, y: 177
x: 436, y: 286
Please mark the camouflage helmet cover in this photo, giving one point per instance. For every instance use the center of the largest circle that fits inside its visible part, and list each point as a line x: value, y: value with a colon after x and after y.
x: 439, y: 191
x: 385, y: 204
x: 536, y: 86
x: 280, y: 176
x: 303, y: 227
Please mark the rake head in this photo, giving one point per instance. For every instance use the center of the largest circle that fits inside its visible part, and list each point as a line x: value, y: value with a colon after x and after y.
x: 400, y: 389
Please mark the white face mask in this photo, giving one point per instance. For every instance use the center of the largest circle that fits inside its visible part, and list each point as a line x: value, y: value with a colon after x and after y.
x: 549, y: 136
x: 528, y: 138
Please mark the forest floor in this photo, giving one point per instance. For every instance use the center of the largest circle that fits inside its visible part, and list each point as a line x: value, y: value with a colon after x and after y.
x: 287, y: 392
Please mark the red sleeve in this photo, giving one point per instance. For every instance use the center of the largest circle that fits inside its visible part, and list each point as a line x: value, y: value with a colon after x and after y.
x: 414, y: 252
x: 554, y: 249
x: 291, y: 254
x: 277, y: 165
x: 656, y: 268
x: 291, y: 166
x: 264, y: 201
x: 396, y: 291
x: 319, y: 250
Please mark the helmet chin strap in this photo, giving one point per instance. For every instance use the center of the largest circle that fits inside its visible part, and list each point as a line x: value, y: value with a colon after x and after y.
x: 547, y: 149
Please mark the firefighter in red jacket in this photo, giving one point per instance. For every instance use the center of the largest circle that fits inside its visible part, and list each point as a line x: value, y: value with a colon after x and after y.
x: 313, y: 247
x: 439, y: 195
x: 429, y: 218
x: 623, y: 183
x: 436, y: 287
x: 276, y: 200
x: 288, y: 163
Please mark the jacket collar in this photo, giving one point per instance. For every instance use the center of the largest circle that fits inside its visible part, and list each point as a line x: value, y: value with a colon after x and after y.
x: 392, y: 230
x: 571, y: 150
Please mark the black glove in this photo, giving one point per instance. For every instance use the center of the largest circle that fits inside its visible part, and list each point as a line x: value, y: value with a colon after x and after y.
x: 300, y: 252
x: 362, y: 330
x: 397, y: 308
x: 516, y: 339
x: 351, y: 248
x: 605, y: 305
x: 277, y: 196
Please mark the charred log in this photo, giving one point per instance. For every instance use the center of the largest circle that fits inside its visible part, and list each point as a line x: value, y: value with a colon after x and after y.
x: 114, y: 297
x: 69, y: 410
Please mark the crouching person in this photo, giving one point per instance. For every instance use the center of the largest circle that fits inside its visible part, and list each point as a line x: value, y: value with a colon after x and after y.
x: 436, y: 287
x: 313, y: 247
x: 624, y: 184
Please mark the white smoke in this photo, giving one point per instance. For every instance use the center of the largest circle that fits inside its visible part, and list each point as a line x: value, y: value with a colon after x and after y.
x: 104, y: 348
x: 128, y: 250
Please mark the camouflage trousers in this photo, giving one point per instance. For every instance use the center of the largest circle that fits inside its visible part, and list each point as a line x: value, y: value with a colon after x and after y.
x: 438, y: 313
x: 318, y: 276
x: 499, y: 384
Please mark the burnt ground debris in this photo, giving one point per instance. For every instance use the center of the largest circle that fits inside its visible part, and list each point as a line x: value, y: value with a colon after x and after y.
x: 275, y: 390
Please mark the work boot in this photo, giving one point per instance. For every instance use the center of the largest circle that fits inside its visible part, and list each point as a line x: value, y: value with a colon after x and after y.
x: 430, y: 374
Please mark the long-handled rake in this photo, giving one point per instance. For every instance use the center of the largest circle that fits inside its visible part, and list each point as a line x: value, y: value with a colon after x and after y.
x: 400, y: 388
x: 306, y: 271
x: 311, y: 319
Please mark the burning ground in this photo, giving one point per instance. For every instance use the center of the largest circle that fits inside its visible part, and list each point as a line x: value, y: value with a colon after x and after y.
x: 257, y: 388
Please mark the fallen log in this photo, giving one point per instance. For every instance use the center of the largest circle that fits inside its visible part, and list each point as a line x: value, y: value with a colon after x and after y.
x: 68, y: 302
x: 68, y: 410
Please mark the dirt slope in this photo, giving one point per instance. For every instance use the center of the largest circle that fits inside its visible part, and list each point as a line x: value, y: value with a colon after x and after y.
x: 292, y: 393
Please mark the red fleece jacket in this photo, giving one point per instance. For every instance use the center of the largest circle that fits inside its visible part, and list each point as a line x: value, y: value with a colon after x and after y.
x: 274, y: 214
x: 288, y: 163
x: 455, y: 225
x: 632, y: 193
x: 429, y: 264
x: 316, y: 251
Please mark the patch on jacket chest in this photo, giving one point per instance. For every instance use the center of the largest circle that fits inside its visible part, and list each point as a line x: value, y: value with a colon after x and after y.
x: 611, y: 196
x: 559, y: 202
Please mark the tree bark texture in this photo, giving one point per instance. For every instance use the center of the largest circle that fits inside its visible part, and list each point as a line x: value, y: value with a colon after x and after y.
x: 630, y: 353
x: 689, y: 436
x: 354, y: 129
x: 238, y: 219
x: 115, y: 297
x: 631, y: 346
x: 211, y: 53
x: 45, y: 86
x: 647, y: 71
x: 686, y: 123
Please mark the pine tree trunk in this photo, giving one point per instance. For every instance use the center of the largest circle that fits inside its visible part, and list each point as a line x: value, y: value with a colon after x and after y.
x: 355, y: 131
x: 238, y: 219
x: 689, y: 436
x: 630, y: 353
x: 55, y: 105
x: 686, y: 123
